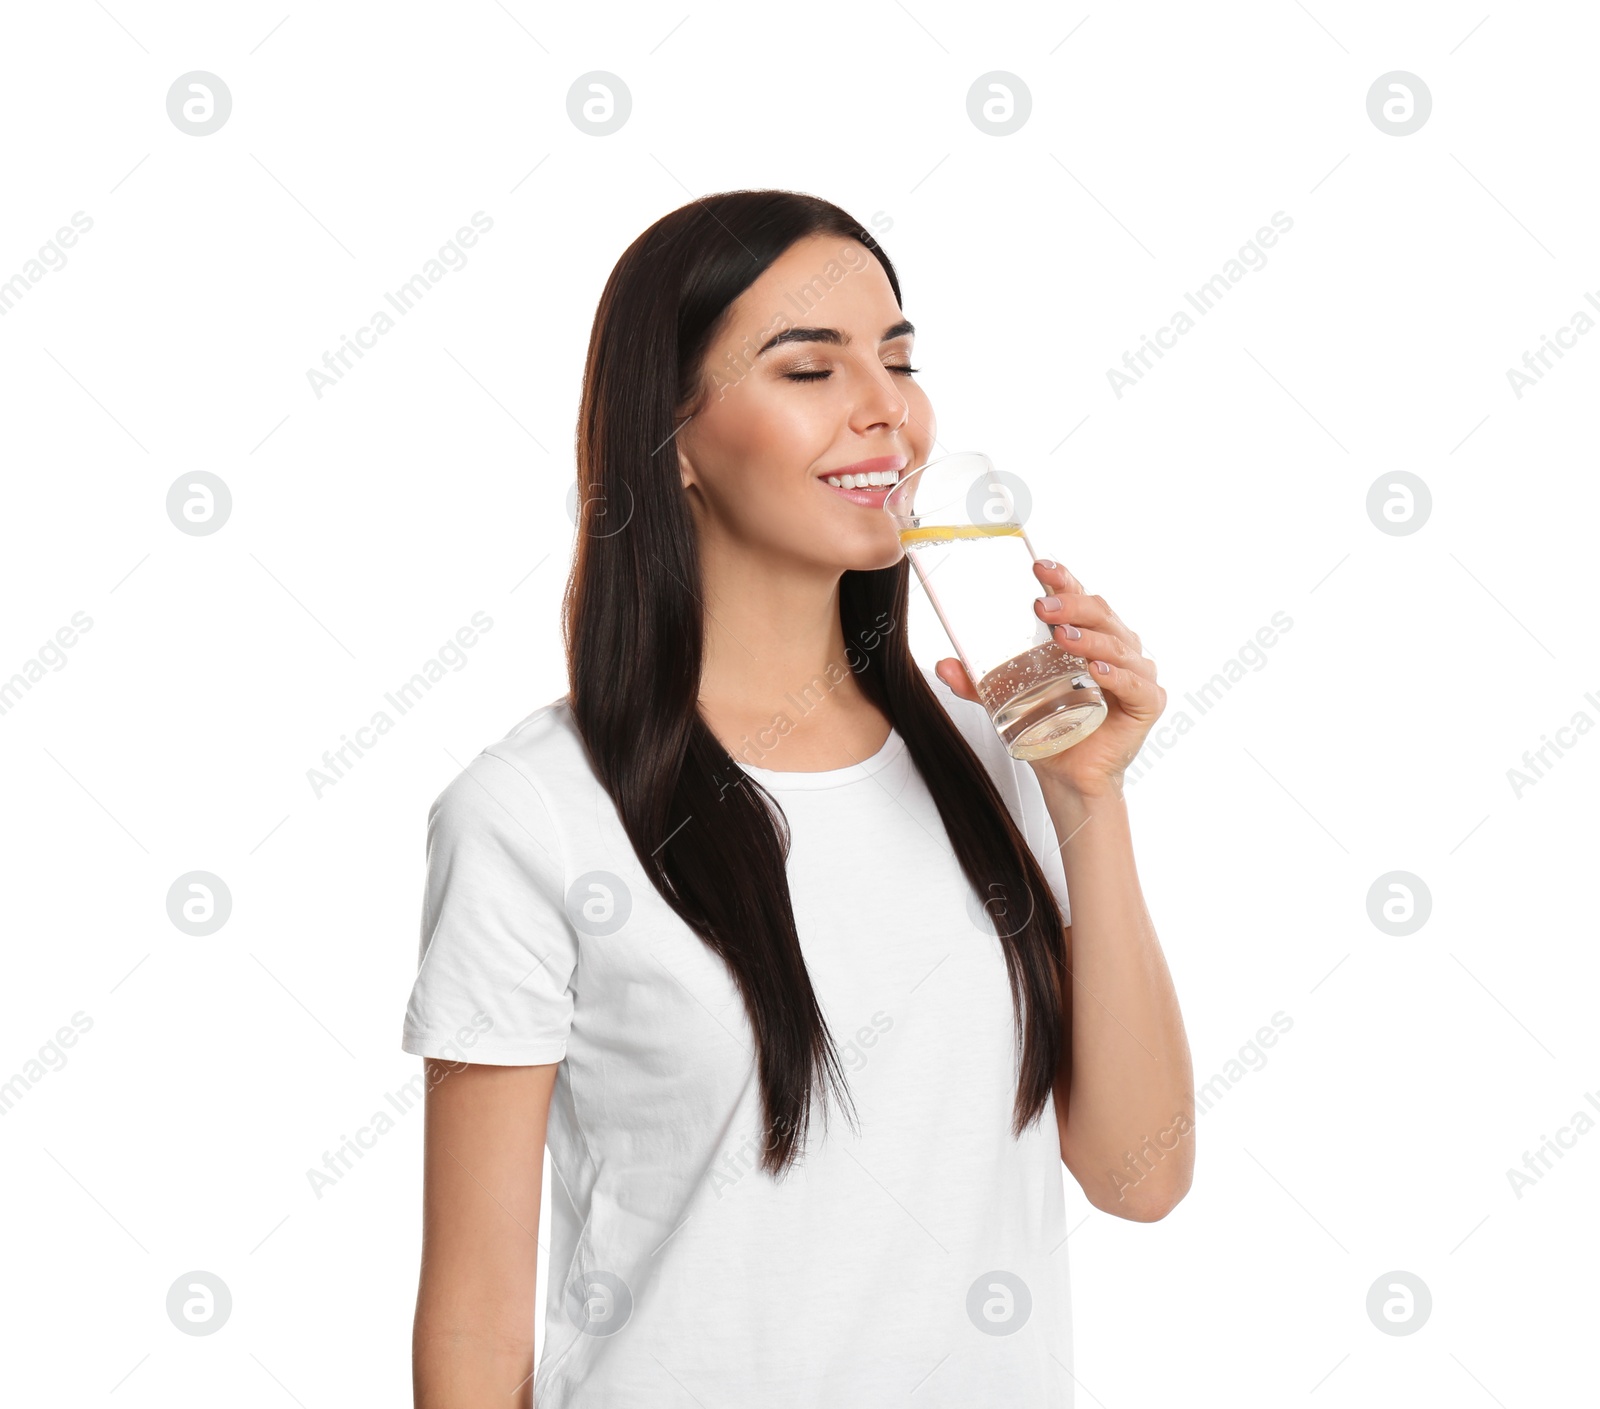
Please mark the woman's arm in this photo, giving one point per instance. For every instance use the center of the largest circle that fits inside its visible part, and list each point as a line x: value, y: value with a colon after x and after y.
x: 1125, y: 1100
x: 1124, y: 1095
x: 483, y: 1160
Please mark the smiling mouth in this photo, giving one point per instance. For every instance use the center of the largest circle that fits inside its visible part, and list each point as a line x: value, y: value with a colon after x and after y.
x: 867, y: 482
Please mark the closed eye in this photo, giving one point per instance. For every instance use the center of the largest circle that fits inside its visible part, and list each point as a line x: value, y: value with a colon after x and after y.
x: 905, y: 370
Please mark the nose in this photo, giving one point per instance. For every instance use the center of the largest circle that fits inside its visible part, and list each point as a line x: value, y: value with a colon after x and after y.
x: 880, y: 406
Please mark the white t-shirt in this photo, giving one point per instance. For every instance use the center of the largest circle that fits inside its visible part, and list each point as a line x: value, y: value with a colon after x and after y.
x: 923, y: 1263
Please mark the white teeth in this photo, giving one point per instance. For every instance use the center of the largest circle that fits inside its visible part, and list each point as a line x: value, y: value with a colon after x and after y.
x: 876, y: 479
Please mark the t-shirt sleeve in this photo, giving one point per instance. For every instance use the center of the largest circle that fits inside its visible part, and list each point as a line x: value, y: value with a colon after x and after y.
x: 498, y: 954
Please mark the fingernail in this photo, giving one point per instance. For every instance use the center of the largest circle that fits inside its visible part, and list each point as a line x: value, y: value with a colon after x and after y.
x: 1070, y: 632
x: 1050, y: 604
x: 1102, y: 667
x: 1046, y: 563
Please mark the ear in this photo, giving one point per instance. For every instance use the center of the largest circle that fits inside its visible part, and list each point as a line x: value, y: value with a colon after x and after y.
x: 685, y: 464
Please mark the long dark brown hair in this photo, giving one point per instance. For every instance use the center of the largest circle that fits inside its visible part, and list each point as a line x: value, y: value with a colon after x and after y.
x: 713, y: 842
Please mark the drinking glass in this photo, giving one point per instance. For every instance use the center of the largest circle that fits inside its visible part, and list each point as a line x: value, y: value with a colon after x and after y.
x: 958, y: 523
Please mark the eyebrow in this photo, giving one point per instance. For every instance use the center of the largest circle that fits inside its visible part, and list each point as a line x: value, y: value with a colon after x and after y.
x: 832, y: 335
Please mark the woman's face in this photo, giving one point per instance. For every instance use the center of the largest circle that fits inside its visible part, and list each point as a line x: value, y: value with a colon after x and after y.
x: 808, y: 377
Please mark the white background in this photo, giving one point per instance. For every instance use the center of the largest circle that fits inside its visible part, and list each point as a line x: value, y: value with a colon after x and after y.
x: 368, y: 525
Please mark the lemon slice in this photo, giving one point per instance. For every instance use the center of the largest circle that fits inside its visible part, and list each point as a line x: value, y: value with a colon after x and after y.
x: 948, y: 533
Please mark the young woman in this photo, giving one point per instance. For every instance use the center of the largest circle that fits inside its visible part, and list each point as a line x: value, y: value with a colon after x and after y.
x: 757, y: 866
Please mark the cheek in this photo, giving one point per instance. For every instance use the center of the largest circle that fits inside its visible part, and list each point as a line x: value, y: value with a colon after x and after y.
x: 754, y: 448
x: 758, y: 424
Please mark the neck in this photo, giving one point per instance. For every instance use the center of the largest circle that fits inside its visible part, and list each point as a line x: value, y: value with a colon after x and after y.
x: 773, y: 640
